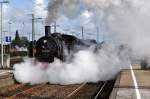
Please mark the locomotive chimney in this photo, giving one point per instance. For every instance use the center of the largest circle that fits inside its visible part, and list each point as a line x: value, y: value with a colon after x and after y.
x: 47, y: 31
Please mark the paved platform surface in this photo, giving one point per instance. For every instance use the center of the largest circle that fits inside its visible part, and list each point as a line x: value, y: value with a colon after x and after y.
x: 136, y: 66
x: 128, y: 87
x: 6, y: 78
x: 5, y: 71
x: 142, y: 78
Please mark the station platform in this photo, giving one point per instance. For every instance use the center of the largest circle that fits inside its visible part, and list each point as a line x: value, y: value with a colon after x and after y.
x: 2, y: 71
x: 132, y: 84
x: 6, y: 78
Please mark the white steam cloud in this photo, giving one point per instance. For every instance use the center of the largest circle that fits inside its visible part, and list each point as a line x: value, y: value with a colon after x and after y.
x: 86, y: 66
x: 40, y: 8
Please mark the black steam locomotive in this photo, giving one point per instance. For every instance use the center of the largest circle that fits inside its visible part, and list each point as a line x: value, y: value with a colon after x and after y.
x: 55, y: 45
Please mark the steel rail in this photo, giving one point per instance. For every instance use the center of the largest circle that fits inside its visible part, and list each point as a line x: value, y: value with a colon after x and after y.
x: 75, y: 91
x: 99, y: 92
x: 25, y: 91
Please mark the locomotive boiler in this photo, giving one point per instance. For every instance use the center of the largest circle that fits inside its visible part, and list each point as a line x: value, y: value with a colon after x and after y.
x: 55, y: 45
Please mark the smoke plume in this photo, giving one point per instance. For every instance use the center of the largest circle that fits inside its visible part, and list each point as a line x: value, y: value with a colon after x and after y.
x: 126, y: 23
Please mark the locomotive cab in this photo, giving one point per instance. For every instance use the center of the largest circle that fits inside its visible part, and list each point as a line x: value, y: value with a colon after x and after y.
x: 70, y: 41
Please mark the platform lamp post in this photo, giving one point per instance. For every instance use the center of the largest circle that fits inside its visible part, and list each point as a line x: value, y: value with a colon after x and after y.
x: 10, y: 34
x: 1, y: 3
x: 4, y: 50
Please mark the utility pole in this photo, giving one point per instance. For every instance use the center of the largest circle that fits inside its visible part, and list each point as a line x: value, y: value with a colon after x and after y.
x: 55, y: 27
x: 33, y: 27
x: 82, y: 32
x: 2, y: 61
x: 4, y: 41
x: 10, y: 34
x: 97, y: 34
x: 33, y: 32
x: 1, y: 36
x: 103, y: 36
x: 29, y: 36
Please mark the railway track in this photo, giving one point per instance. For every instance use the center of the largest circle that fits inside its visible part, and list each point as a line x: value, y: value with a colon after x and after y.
x: 104, y: 90
x: 13, y: 89
x: 48, y: 91
x: 100, y: 90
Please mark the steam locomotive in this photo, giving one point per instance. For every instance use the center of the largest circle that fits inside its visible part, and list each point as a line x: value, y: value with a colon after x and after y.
x: 56, y: 45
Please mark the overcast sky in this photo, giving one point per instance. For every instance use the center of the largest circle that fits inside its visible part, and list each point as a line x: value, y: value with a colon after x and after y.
x: 17, y: 13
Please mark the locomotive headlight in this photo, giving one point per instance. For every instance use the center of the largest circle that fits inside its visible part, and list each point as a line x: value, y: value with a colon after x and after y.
x: 45, y: 41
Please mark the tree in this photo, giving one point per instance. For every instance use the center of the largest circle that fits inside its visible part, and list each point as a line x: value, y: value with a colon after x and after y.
x: 17, y: 40
x: 20, y: 41
x: 24, y: 41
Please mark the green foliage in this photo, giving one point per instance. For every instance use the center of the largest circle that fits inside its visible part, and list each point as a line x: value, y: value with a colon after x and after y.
x: 24, y: 41
x: 19, y: 41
